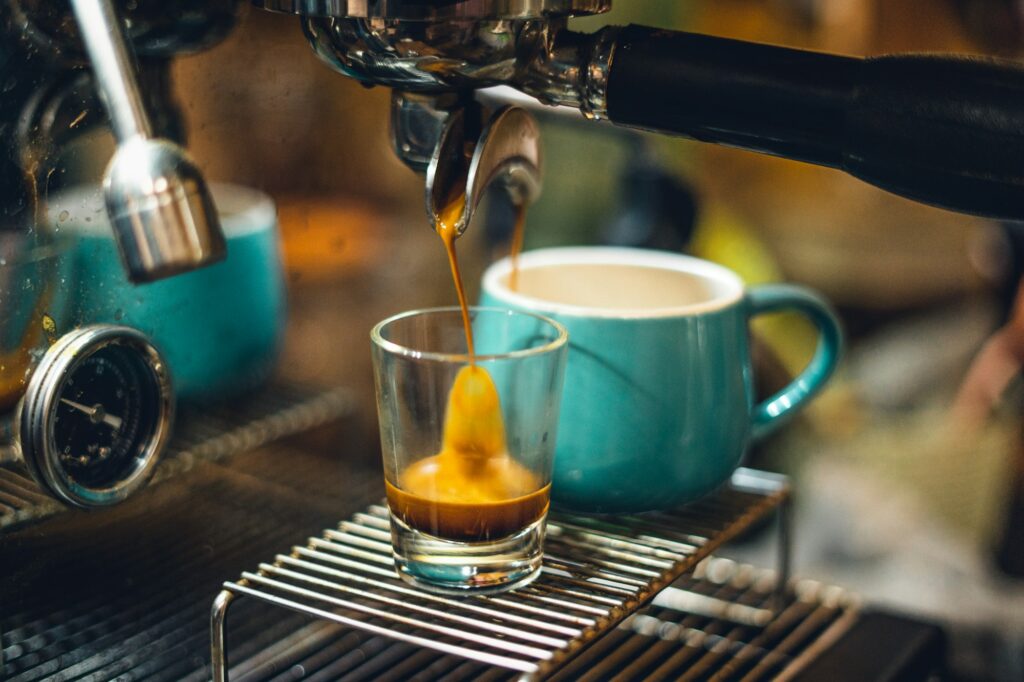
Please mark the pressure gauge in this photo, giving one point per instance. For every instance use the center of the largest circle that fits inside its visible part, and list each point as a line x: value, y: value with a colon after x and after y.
x: 96, y: 415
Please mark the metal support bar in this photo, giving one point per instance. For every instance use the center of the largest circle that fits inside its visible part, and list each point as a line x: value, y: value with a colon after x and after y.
x: 218, y: 640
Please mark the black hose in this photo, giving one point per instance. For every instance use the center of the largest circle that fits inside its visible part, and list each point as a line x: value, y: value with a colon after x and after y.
x: 943, y: 130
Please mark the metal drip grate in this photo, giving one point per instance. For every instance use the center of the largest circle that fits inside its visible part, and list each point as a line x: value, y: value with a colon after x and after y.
x: 201, y: 435
x: 597, y: 572
x: 721, y: 622
x: 78, y: 603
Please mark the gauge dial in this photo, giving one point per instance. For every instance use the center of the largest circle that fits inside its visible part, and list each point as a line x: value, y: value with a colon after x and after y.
x: 96, y: 415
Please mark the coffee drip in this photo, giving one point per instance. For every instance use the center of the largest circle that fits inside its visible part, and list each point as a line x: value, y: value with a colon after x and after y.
x: 446, y: 229
x: 517, y: 247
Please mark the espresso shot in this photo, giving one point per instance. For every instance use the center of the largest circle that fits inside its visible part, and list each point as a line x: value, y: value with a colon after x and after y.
x: 473, y: 490
x: 468, y: 443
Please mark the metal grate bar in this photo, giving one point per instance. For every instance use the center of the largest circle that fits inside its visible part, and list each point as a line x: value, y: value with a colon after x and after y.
x: 268, y: 569
x: 684, y: 633
x: 597, y: 572
x: 97, y: 610
x: 725, y: 650
x: 464, y: 635
x: 438, y: 645
x: 109, y: 628
x: 460, y: 604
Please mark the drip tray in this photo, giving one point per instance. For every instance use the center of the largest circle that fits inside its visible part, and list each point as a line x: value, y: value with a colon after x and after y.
x: 597, y: 573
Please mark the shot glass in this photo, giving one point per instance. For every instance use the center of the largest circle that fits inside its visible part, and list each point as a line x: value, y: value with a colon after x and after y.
x: 468, y: 443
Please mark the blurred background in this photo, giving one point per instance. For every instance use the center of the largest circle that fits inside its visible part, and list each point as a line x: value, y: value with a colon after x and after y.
x: 895, y: 500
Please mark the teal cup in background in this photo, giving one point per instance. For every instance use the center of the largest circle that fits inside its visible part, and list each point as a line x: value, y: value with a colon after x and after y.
x: 658, y: 402
x: 220, y: 327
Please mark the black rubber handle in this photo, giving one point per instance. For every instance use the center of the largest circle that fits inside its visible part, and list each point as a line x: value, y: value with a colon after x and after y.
x: 943, y: 130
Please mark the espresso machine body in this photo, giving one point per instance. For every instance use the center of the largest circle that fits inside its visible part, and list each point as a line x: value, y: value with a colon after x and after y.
x: 947, y: 131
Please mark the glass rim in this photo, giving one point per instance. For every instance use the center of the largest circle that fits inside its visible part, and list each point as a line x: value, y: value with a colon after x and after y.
x: 398, y: 349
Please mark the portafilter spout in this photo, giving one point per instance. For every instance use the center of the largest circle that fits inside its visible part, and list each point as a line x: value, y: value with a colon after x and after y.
x: 506, y: 151
x: 159, y: 205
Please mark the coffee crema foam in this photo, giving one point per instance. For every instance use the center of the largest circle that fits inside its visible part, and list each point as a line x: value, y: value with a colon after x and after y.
x: 613, y: 286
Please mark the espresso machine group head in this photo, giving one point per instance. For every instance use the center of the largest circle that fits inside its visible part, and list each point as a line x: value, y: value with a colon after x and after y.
x: 943, y: 130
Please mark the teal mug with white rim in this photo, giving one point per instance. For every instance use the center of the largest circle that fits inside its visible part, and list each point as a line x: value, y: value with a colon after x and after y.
x: 220, y: 327
x: 658, y: 403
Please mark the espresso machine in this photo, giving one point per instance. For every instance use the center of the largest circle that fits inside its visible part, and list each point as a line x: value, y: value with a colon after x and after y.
x: 942, y: 130
x: 938, y: 129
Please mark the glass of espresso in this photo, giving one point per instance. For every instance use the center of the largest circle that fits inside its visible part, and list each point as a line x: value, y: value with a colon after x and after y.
x: 468, y: 439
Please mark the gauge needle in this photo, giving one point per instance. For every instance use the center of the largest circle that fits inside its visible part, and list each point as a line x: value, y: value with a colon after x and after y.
x: 96, y: 413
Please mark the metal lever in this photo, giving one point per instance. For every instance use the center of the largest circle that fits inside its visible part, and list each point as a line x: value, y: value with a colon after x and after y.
x: 507, y: 151
x: 159, y: 205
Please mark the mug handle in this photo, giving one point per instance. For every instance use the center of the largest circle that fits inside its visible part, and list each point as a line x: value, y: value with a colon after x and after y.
x: 776, y: 410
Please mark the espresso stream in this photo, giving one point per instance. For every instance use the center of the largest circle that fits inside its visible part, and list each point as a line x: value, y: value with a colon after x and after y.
x: 446, y: 228
x: 517, y: 247
x: 472, y: 490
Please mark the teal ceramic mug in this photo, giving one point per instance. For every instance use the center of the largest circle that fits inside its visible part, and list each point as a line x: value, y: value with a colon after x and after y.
x: 658, y: 405
x: 220, y: 327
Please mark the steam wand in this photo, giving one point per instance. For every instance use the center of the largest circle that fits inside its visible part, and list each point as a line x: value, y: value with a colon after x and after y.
x: 159, y: 205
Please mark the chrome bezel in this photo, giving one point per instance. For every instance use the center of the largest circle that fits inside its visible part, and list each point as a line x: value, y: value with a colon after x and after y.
x: 34, y: 426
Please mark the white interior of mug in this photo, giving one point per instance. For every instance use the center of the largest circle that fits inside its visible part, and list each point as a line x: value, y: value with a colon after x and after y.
x: 614, y: 282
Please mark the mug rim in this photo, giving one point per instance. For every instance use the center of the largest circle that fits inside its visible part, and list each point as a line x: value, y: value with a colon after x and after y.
x: 613, y: 255
x: 560, y: 341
